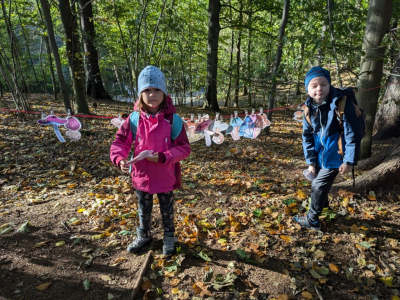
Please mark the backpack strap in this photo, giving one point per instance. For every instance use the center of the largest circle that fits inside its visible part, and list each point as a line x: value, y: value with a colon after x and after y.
x: 307, y: 115
x: 176, y: 129
x: 177, y: 124
x: 133, y: 123
x: 340, y: 113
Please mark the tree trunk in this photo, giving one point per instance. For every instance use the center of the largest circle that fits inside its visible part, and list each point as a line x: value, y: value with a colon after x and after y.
x: 54, y: 50
x: 94, y: 85
x: 387, y: 119
x: 156, y: 31
x: 228, y: 94
x: 236, y: 100
x: 330, y: 5
x: 249, y: 56
x: 69, y: 22
x: 378, y: 24
x: 277, y: 62
x: 214, y: 8
x: 385, y: 174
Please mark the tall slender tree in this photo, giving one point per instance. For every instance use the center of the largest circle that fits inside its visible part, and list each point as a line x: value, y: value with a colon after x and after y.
x: 94, y: 81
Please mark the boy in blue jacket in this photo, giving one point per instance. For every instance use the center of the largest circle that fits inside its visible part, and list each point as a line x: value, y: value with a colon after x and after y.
x: 322, y: 138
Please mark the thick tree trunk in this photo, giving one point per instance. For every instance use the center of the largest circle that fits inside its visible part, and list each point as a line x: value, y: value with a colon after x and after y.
x: 214, y: 8
x: 378, y: 24
x: 277, y: 62
x: 387, y: 119
x: 385, y: 174
x: 237, y: 83
x: 69, y: 21
x: 94, y: 85
x: 54, y: 50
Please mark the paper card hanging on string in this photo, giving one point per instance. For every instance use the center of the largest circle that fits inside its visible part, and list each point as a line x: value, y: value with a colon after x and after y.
x: 72, y: 125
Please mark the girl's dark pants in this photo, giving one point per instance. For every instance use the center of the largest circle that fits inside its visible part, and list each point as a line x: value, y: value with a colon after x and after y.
x: 166, y: 201
x: 319, y: 191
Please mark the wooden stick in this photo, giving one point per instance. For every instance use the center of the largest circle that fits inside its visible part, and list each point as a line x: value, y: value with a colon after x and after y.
x: 141, y: 273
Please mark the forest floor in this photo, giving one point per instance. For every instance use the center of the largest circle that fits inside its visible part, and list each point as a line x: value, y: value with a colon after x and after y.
x: 67, y: 215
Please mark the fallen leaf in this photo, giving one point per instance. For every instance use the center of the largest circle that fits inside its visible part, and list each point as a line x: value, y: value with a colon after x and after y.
x: 60, y: 243
x: 307, y: 295
x: 334, y: 268
x: 43, y: 286
x: 146, y: 285
x: 105, y: 277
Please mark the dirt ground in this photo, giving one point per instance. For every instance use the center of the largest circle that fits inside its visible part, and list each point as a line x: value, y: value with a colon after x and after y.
x: 67, y: 215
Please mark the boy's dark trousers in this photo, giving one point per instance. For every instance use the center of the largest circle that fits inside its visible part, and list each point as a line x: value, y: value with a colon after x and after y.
x: 319, y: 191
x: 166, y: 201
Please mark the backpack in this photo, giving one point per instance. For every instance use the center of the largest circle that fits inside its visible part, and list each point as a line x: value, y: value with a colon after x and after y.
x: 176, y: 125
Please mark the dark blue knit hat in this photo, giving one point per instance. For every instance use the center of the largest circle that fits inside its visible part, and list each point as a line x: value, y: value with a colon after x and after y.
x: 316, y: 72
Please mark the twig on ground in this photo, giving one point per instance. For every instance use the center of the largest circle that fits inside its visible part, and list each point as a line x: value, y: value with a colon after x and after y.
x: 66, y: 226
x: 141, y: 272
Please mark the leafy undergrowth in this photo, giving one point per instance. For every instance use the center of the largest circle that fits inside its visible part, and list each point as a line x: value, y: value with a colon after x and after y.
x: 67, y: 215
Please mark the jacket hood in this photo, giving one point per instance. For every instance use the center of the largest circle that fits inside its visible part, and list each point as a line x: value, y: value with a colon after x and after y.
x: 168, y: 108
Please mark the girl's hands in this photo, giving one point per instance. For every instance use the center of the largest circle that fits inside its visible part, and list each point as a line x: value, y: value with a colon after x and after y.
x: 345, y: 168
x: 153, y: 157
x: 122, y: 166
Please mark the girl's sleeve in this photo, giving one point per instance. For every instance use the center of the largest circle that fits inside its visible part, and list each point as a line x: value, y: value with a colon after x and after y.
x: 122, y: 144
x: 308, y: 144
x: 181, y: 149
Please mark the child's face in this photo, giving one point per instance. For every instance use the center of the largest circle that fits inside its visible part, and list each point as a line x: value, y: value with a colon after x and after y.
x: 318, y: 89
x: 152, y: 98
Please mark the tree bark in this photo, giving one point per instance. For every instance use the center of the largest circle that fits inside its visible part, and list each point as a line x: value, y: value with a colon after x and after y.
x: 277, y: 62
x: 330, y: 5
x: 214, y: 8
x: 387, y: 119
x: 94, y: 82
x: 54, y: 50
x: 69, y: 21
x: 385, y: 174
x: 378, y: 24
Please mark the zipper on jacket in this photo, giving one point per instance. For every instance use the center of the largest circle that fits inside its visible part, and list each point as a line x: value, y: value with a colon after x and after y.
x: 322, y: 133
x: 166, y: 143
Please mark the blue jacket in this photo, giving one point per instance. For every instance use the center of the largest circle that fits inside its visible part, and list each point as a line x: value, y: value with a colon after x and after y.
x: 320, y: 141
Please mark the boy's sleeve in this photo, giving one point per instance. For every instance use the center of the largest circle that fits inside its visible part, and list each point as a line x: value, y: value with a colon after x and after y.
x: 308, y: 144
x: 351, y: 132
x: 122, y: 144
x: 180, y: 150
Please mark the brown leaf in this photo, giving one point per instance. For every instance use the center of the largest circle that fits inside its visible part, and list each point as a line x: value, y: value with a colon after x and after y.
x: 146, y: 285
x: 201, y: 288
x: 43, y: 286
x: 307, y: 295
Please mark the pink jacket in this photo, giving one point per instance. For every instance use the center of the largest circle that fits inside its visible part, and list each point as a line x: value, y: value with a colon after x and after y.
x: 153, y: 133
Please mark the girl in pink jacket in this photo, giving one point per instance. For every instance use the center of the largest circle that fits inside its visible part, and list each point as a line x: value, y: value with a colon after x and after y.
x: 160, y: 172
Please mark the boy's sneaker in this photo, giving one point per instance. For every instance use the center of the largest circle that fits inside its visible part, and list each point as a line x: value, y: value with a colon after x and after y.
x: 306, y: 224
x: 169, y: 245
x: 140, y: 242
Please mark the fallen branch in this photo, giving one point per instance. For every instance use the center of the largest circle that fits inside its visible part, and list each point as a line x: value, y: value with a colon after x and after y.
x: 141, y: 273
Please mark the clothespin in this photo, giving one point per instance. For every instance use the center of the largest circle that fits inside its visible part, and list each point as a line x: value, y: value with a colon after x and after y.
x: 261, y: 110
x: 253, y: 110
x: 235, y: 112
x: 217, y: 115
x: 68, y: 113
x: 43, y: 116
x: 51, y: 111
x: 246, y: 112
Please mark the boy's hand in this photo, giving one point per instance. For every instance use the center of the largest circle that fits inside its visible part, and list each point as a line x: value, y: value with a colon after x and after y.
x: 153, y: 157
x: 345, y: 168
x: 311, y: 169
x: 122, y: 166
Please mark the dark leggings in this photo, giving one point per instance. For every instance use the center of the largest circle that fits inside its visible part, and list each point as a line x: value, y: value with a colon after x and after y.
x: 166, y: 201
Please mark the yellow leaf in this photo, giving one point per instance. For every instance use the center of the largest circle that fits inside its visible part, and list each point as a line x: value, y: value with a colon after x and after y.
x: 71, y: 186
x: 394, y: 297
x: 307, y: 295
x: 98, y: 236
x: 372, y: 198
x: 77, y: 222
x: 301, y: 194
x: 40, y: 244
x: 334, y: 268
x: 43, y: 286
x: 60, y: 243
x: 120, y: 259
x: 387, y: 280
x: 175, y: 291
x: 286, y: 238
x: 174, y: 282
x: 81, y: 210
